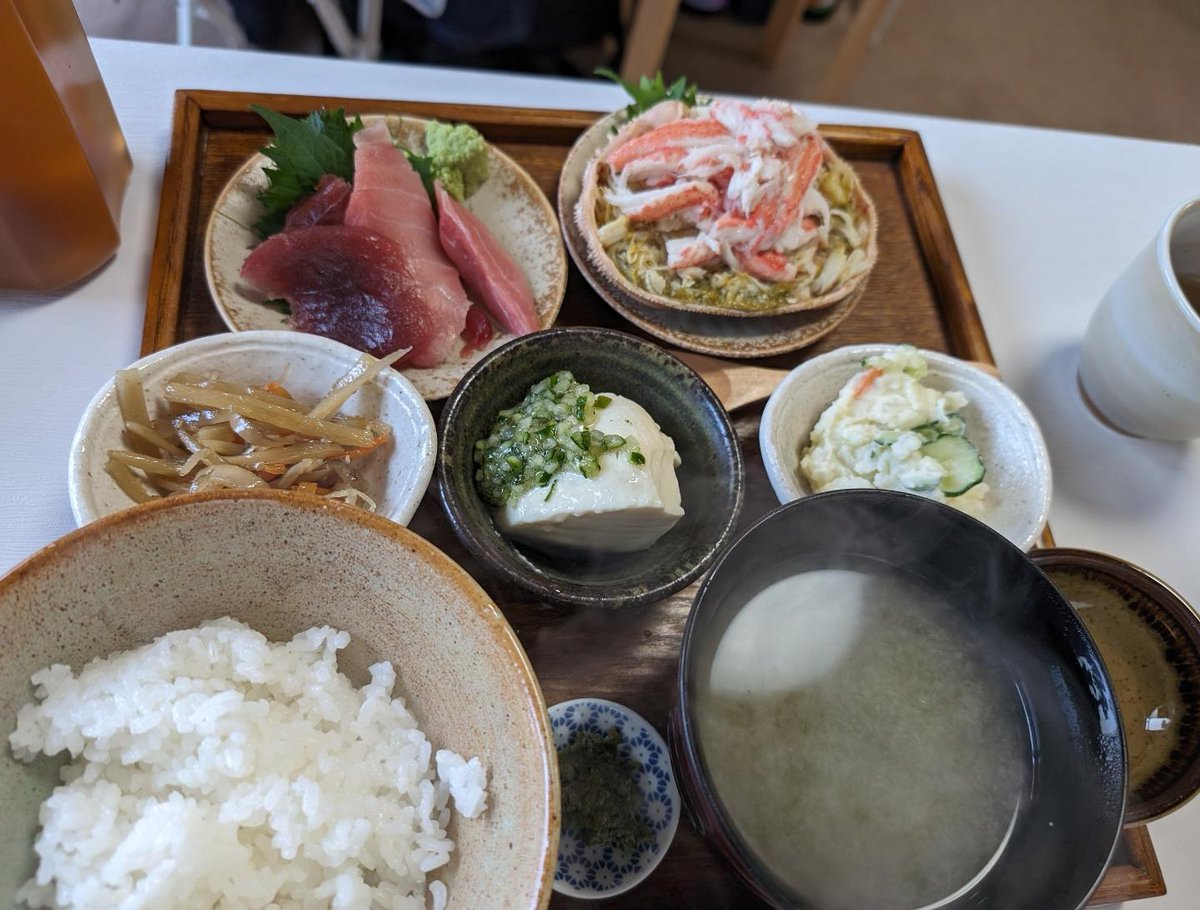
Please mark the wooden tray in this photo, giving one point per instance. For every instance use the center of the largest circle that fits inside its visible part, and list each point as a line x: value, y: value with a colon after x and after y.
x: 918, y: 293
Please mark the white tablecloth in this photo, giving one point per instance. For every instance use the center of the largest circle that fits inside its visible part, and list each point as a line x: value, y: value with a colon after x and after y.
x: 1045, y: 220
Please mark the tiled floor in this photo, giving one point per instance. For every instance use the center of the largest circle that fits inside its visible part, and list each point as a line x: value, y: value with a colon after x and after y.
x: 1129, y: 67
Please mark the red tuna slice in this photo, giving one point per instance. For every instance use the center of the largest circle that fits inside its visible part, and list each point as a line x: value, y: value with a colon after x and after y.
x: 388, y: 198
x: 494, y: 279
x: 326, y: 205
x: 479, y: 330
x: 354, y: 286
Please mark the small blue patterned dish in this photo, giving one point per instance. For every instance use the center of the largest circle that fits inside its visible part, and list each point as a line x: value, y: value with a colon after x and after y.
x: 598, y: 870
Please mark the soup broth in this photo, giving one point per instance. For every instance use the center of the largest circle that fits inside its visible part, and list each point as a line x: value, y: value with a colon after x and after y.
x: 866, y: 748
x: 1148, y: 685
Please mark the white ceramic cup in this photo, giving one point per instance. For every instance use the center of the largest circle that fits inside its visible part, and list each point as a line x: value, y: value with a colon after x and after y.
x: 1140, y: 363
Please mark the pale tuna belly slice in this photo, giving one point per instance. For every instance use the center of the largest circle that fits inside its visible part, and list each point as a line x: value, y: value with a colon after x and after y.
x: 351, y: 285
x: 493, y: 277
x: 388, y: 198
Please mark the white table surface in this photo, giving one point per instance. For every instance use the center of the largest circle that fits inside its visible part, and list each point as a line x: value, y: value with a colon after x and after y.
x: 1045, y: 220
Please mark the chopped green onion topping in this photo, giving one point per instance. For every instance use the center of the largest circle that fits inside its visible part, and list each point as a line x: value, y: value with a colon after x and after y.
x: 547, y: 433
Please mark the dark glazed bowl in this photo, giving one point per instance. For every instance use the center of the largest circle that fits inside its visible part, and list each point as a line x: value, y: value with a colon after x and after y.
x: 1071, y: 813
x: 1150, y: 640
x: 710, y: 476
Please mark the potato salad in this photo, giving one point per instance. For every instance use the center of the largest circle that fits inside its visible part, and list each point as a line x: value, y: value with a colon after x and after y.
x: 889, y: 431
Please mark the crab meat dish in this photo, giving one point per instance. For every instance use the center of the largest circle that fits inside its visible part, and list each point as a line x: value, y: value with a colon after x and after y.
x: 727, y: 205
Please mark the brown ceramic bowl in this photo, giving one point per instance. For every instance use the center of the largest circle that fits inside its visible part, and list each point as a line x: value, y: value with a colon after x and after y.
x: 579, y: 192
x: 283, y: 563
x: 1149, y: 639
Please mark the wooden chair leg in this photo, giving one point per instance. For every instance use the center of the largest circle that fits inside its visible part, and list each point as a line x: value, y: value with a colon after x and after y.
x: 852, y: 50
x: 646, y: 40
x: 779, y: 28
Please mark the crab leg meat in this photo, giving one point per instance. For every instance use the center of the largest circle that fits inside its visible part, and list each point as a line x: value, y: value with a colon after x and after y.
x: 650, y: 205
x: 681, y: 134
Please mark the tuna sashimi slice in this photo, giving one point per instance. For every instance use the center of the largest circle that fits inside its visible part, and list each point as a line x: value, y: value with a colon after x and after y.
x: 326, y: 205
x: 389, y: 198
x: 479, y: 330
x: 354, y: 286
x: 494, y: 278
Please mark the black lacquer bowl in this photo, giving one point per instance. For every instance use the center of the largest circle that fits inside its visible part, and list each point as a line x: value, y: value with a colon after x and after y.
x: 710, y: 476
x: 1150, y: 638
x: 1071, y: 810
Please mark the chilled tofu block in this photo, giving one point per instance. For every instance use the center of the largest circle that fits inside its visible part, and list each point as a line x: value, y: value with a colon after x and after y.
x: 626, y: 508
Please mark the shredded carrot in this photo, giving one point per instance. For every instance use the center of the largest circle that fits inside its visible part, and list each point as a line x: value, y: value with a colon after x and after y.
x: 363, y: 450
x: 275, y: 470
x: 306, y: 488
x: 276, y: 389
x: 867, y: 380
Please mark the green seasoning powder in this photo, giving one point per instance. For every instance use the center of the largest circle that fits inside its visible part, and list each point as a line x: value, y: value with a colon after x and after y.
x: 600, y: 798
x: 546, y: 433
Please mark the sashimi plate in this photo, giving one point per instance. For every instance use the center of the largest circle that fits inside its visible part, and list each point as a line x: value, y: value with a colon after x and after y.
x: 510, y: 203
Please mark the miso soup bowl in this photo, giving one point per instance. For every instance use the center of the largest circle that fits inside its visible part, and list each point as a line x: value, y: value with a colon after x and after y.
x: 1072, y: 804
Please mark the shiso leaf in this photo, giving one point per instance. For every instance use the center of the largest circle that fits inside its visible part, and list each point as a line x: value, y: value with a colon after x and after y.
x: 304, y: 150
x: 647, y: 92
x: 425, y: 167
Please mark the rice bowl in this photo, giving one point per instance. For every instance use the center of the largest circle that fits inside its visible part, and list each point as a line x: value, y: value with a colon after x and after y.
x: 285, y: 565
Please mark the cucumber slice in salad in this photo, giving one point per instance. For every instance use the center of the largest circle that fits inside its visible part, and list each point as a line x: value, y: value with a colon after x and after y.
x: 927, y: 431
x: 953, y: 425
x: 960, y: 459
x: 887, y: 437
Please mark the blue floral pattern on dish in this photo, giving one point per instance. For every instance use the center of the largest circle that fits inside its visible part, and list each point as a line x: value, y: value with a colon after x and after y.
x: 599, y: 870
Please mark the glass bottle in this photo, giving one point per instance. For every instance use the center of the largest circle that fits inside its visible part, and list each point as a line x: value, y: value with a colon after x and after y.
x: 64, y: 165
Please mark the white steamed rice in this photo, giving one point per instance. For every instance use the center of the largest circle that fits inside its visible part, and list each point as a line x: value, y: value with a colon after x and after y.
x: 215, y: 769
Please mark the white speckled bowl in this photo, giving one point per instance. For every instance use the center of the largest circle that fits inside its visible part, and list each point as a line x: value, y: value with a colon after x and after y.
x: 308, y: 365
x: 998, y: 423
x: 282, y: 564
